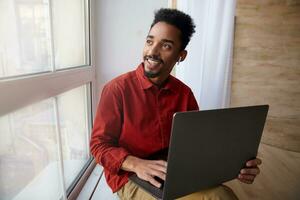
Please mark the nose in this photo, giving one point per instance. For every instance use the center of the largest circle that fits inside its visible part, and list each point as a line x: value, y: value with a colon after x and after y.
x: 154, y: 50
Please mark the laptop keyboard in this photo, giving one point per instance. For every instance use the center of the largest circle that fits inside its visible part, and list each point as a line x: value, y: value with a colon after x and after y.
x: 154, y: 191
x: 157, y: 192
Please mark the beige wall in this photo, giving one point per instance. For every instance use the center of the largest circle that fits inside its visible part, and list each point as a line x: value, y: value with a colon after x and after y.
x: 266, y: 70
x: 266, y: 67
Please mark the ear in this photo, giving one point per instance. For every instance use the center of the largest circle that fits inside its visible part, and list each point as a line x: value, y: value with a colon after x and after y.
x: 182, y: 55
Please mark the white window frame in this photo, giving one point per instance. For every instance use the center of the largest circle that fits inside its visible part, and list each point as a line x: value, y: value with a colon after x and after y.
x: 20, y: 91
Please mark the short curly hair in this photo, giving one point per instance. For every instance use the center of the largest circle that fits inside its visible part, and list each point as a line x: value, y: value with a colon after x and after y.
x: 178, y: 19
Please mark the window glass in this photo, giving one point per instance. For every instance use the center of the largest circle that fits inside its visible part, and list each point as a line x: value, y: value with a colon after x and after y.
x: 24, y: 37
x: 29, y: 167
x: 69, y: 33
x: 36, y: 36
x: 74, y: 132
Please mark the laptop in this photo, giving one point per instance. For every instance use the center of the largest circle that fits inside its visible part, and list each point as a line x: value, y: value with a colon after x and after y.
x: 207, y: 148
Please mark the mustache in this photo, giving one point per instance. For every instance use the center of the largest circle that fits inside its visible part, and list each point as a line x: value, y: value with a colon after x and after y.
x: 153, y: 57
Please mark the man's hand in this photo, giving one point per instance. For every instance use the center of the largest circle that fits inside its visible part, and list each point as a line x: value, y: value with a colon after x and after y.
x: 247, y: 175
x: 146, y: 169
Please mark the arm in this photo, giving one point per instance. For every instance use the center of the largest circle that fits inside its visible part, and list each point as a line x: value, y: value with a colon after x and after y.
x: 247, y: 175
x: 105, y: 136
x: 107, y: 129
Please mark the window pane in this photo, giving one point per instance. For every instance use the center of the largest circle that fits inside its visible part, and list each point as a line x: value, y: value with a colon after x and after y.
x: 29, y: 147
x: 72, y: 108
x: 69, y: 33
x: 28, y: 30
x: 24, y: 37
x: 29, y: 166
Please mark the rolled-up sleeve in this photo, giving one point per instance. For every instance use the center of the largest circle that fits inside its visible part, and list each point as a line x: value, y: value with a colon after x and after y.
x: 107, y: 128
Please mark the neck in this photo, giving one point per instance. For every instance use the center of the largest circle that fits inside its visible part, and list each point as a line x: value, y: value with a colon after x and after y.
x: 158, y: 81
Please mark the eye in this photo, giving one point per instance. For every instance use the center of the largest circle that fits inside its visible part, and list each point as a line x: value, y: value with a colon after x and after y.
x: 149, y: 42
x: 167, y: 46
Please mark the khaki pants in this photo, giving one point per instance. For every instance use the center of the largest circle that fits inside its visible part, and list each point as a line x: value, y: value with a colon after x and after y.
x: 131, y: 191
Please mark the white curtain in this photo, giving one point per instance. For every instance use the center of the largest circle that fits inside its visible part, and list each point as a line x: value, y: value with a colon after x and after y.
x: 208, y: 66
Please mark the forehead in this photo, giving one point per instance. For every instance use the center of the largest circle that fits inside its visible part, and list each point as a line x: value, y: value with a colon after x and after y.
x: 162, y: 30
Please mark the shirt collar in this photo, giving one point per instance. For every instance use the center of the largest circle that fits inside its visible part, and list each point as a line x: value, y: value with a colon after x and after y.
x: 170, y: 84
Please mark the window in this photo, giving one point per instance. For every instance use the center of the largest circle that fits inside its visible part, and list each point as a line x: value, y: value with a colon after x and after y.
x: 40, y: 36
x: 73, y: 123
x: 46, y: 87
x: 36, y: 138
x: 68, y: 33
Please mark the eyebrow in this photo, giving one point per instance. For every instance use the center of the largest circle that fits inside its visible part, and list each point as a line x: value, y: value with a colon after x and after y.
x: 164, y: 40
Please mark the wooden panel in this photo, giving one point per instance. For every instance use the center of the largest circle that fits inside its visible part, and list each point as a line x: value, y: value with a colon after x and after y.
x: 266, y: 66
x: 279, y: 177
x: 281, y: 56
x: 282, y: 132
x: 267, y: 74
x: 283, y: 99
x: 261, y: 2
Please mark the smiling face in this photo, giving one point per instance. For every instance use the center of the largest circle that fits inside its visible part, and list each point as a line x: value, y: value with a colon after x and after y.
x: 161, y: 52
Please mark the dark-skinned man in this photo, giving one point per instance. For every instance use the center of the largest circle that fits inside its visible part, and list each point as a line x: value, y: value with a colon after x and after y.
x: 135, y: 112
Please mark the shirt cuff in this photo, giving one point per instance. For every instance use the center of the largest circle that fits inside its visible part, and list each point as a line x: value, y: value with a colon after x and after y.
x: 114, y: 159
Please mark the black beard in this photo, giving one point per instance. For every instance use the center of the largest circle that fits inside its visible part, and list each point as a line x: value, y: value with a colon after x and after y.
x: 150, y: 74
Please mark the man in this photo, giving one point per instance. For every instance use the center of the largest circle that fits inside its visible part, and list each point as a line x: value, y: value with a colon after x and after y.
x: 135, y: 112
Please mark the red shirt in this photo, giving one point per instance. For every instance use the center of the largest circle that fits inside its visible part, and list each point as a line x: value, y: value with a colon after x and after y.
x: 134, y: 117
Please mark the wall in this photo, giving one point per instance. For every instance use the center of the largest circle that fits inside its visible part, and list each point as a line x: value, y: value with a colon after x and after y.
x: 266, y: 66
x: 266, y: 70
x: 121, y: 29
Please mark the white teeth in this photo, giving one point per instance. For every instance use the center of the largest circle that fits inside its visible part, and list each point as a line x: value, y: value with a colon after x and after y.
x: 153, y: 61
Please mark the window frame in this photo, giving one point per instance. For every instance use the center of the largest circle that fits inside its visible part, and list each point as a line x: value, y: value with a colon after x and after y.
x: 22, y: 90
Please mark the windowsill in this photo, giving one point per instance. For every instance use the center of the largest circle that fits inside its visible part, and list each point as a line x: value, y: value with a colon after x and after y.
x: 96, y: 187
